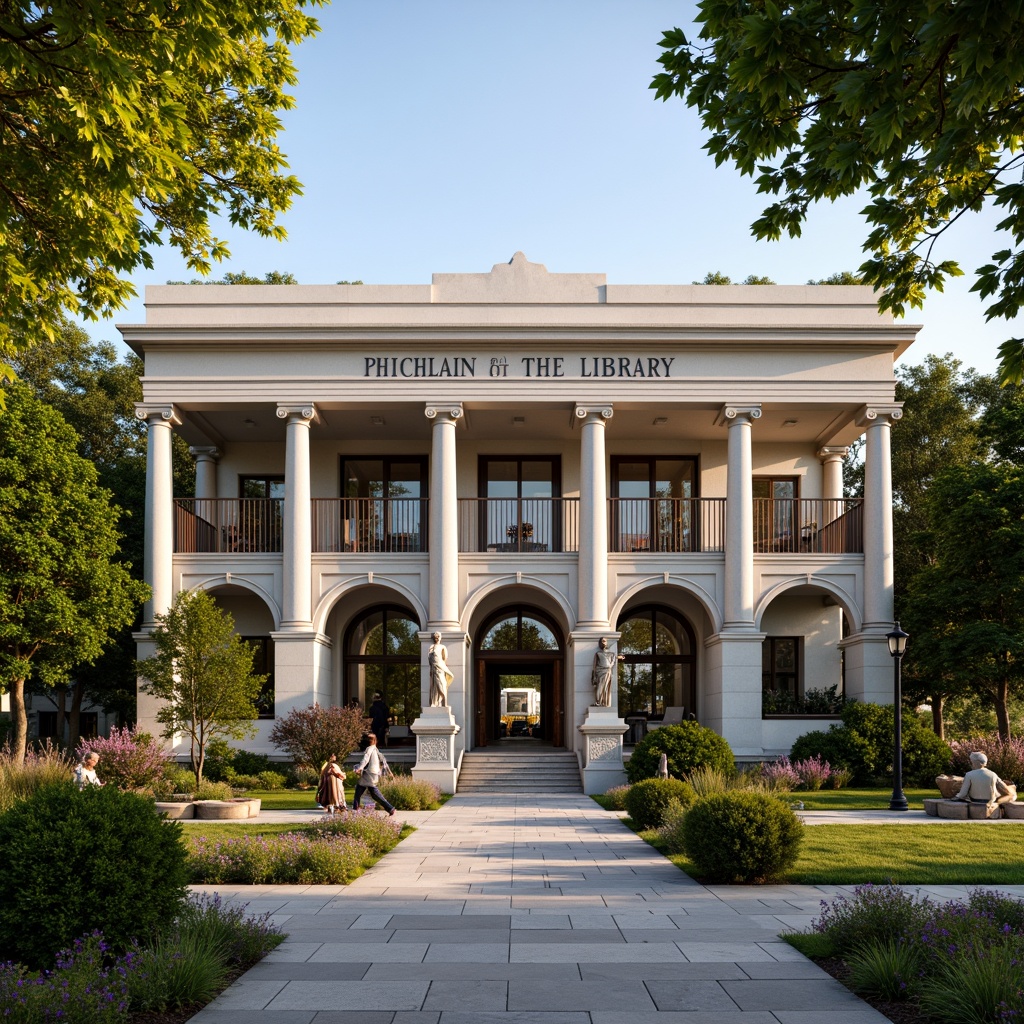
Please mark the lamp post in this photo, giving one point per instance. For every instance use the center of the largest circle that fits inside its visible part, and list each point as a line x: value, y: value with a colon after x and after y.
x: 897, y: 646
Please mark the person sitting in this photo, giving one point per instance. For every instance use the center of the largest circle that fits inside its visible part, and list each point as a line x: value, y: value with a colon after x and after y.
x: 982, y: 785
x: 85, y: 773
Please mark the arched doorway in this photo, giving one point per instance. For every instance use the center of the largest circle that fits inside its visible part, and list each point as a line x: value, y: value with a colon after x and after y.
x: 658, y: 666
x: 519, y: 680
x: 382, y: 655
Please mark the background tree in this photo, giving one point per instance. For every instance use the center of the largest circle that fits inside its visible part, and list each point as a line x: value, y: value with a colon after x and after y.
x: 241, y: 277
x: 965, y: 610
x: 312, y: 734
x: 717, y: 277
x: 124, y: 124
x: 62, y: 591
x: 917, y: 102
x: 202, y: 672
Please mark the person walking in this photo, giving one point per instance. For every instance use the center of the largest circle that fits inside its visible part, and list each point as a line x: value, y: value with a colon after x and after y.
x: 370, y: 769
x: 379, y: 714
x: 330, y: 794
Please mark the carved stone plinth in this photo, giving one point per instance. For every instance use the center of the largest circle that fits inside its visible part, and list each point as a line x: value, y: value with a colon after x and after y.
x: 602, y: 731
x: 435, y: 732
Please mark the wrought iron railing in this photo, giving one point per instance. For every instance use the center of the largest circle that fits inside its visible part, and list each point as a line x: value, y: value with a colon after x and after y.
x: 532, y: 525
x: 832, y: 526
x: 370, y: 524
x: 666, y: 524
x: 227, y: 524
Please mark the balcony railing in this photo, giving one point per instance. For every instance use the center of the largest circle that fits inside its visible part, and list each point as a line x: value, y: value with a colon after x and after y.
x: 519, y: 524
x: 809, y: 525
x: 666, y: 524
x: 370, y: 524
x: 227, y: 524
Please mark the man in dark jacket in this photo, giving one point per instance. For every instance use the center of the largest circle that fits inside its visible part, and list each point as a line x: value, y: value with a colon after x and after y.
x: 379, y: 715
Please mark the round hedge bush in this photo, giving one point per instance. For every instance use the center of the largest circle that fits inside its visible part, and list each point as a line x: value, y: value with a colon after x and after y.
x: 688, y: 745
x: 648, y: 800
x: 77, y: 862
x: 741, y: 837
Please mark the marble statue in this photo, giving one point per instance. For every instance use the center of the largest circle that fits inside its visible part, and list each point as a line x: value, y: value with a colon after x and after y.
x: 605, y: 662
x: 982, y: 785
x: 440, y: 674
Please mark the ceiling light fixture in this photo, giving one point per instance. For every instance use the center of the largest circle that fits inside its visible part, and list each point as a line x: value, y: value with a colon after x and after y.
x: 789, y: 423
x: 660, y: 421
x: 377, y: 421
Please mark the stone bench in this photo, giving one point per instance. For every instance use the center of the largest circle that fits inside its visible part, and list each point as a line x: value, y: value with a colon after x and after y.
x: 961, y: 810
x: 212, y: 810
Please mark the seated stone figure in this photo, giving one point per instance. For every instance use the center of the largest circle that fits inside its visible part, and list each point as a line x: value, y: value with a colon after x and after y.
x: 981, y: 785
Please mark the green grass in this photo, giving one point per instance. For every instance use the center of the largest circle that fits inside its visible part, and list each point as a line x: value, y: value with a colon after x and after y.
x: 954, y: 854
x: 291, y: 799
x: 858, y: 799
x: 234, y: 829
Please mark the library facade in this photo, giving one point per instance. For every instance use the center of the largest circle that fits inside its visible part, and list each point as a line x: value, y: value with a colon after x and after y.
x: 528, y: 463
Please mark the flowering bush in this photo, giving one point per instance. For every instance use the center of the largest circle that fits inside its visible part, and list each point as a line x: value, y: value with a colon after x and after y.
x: 380, y: 833
x: 780, y: 776
x: 408, y: 794
x: 79, y: 988
x: 814, y: 772
x: 277, y: 860
x: 312, y: 734
x: 876, y: 913
x: 129, y: 759
x: 1005, y: 758
x: 615, y: 798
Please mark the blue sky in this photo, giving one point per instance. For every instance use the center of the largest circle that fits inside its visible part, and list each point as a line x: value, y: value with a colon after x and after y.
x: 445, y: 136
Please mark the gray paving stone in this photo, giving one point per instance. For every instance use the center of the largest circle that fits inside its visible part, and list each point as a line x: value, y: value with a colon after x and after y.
x: 866, y: 1015
x: 465, y: 952
x: 651, y: 972
x: 787, y: 969
x: 466, y: 994
x: 285, y: 971
x: 697, y: 1017
x: 748, y: 952
x: 575, y: 935
x: 355, y: 1017
x: 357, y: 952
x: 579, y: 953
x: 350, y: 995
x: 502, y: 971
x: 212, y: 1015
x: 817, y: 995
x: 516, y: 1017
x: 432, y: 935
x: 462, y: 922
x: 579, y: 995
x: 689, y: 995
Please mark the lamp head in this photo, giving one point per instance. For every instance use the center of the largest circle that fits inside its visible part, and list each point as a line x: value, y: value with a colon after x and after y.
x: 897, y: 641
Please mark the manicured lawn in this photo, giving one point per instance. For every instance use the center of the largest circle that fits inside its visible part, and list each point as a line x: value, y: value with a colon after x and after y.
x: 858, y: 799
x: 953, y: 854
x: 234, y: 829
x: 291, y: 799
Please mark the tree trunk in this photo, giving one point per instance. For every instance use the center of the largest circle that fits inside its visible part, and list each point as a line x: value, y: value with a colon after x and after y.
x: 1002, y: 696
x: 75, y: 717
x: 19, y: 721
x: 938, y: 721
x: 59, y: 694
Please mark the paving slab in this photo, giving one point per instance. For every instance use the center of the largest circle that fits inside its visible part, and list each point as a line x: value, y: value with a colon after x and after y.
x: 516, y: 909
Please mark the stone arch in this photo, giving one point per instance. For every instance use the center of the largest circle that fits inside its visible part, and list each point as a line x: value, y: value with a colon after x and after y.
x: 211, y: 584
x: 516, y: 589
x: 703, y: 597
x: 371, y: 581
x: 841, y: 596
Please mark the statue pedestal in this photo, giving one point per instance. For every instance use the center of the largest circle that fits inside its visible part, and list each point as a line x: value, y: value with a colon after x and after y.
x: 435, y: 731
x: 602, y: 731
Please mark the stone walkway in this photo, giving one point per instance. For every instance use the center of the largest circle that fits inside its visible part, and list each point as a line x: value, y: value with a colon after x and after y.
x: 517, y: 909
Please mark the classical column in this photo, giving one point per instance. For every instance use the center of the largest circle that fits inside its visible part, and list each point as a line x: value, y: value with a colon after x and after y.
x: 159, y: 536
x: 297, y: 546
x: 831, y: 482
x: 206, y: 471
x: 878, y: 542
x: 739, y: 518
x: 593, y: 558
x: 443, y: 607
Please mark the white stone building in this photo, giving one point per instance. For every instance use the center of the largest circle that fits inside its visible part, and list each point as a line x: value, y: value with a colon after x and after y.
x: 526, y: 462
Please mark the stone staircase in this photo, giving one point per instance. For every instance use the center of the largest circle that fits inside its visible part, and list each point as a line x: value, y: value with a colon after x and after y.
x: 537, y: 771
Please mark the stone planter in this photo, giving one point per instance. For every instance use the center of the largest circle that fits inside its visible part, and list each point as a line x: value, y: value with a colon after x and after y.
x: 949, y: 785
x: 176, y: 811
x: 221, y: 810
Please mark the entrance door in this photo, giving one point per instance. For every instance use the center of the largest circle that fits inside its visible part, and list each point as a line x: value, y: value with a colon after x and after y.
x: 520, y: 701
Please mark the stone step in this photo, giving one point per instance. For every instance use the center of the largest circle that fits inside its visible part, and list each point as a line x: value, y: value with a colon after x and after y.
x: 520, y: 771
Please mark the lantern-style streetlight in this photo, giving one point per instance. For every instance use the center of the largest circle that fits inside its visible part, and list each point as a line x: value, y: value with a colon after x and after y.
x: 897, y: 647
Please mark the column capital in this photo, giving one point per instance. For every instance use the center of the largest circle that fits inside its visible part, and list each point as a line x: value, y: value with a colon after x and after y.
x: 204, y: 453
x: 163, y: 413
x: 450, y: 411
x: 593, y: 413
x: 869, y: 414
x: 302, y: 412
x: 833, y: 453
x: 730, y: 414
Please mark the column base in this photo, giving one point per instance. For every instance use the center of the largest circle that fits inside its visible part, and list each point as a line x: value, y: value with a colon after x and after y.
x: 602, y: 731
x: 435, y: 732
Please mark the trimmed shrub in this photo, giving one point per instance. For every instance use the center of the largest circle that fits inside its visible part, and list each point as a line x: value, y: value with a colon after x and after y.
x: 75, y: 862
x: 245, y: 762
x: 213, y: 790
x: 1006, y: 759
x: 671, y: 831
x: 271, y: 780
x: 688, y: 745
x: 648, y: 800
x: 615, y: 798
x: 741, y: 837
x: 129, y: 759
x: 303, y: 776
x: 409, y: 794
x: 864, y: 745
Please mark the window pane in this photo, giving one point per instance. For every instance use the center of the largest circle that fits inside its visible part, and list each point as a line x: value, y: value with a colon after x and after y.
x: 502, y: 479
x: 636, y: 636
x: 372, y: 624
x: 635, y: 688
x: 502, y: 636
x: 784, y: 489
x: 674, y: 478
x: 538, y: 478
x: 401, y: 635
x: 668, y: 687
x: 364, y: 478
x: 537, y: 637
x: 405, y: 480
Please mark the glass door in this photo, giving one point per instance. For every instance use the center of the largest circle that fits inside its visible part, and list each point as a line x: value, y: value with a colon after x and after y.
x: 654, y: 504
x: 520, y: 510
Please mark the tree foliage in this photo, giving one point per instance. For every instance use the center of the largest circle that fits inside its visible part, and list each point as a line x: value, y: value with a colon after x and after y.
x: 310, y: 735
x: 202, y: 673
x: 125, y: 124
x: 914, y: 101
x: 62, y: 591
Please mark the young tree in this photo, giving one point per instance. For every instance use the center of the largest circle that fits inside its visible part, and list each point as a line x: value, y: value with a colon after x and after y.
x: 202, y: 671
x: 123, y: 124
x: 62, y: 592
x: 312, y: 734
x: 917, y: 102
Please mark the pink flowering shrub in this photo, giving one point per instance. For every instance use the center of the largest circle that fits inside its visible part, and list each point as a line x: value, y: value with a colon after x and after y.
x: 1005, y: 758
x: 814, y: 772
x: 129, y: 759
x: 780, y: 776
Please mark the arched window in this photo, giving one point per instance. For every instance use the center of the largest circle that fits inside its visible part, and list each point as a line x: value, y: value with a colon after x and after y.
x: 657, y: 669
x: 519, y: 632
x: 382, y: 655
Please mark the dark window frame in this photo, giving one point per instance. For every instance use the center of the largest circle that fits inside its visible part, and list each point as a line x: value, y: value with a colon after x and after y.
x: 770, y: 671
x: 653, y: 610
x: 266, y: 702
x: 384, y: 660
